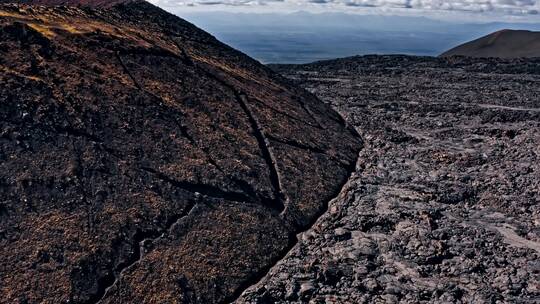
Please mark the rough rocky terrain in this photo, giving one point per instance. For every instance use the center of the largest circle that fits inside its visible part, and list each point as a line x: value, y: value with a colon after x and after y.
x: 444, y: 206
x: 501, y: 44
x: 142, y: 161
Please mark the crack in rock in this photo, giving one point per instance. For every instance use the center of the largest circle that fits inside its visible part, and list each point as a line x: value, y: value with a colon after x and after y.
x: 266, y: 150
x: 294, y: 241
x: 141, y: 240
x: 280, y: 198
x: 204, y: 189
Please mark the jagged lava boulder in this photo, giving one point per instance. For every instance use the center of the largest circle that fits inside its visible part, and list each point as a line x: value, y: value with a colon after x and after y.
x: 143, y: 161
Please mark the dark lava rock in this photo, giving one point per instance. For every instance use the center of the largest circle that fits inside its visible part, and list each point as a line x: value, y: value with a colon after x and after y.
x: 142, y: 161
x: 449, y: 214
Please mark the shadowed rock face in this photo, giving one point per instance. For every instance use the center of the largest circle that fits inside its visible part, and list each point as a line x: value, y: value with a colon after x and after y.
x: 142, y: 160
x: 501, y: 44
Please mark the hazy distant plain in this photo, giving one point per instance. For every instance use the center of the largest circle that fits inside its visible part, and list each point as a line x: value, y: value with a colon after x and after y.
x: 306, y: 37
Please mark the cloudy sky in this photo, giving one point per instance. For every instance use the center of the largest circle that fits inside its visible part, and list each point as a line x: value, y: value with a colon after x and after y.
x: 527, y: 10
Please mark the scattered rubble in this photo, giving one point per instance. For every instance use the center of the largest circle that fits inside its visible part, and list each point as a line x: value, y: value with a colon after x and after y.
x: 444, y: 206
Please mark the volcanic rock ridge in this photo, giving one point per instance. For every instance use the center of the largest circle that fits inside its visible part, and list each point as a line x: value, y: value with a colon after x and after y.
x: 143, y: 161
x: 501, y: 44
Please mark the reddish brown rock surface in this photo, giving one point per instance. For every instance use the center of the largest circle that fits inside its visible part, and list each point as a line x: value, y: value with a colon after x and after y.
x: 501, y: 44
x: 142, y: 161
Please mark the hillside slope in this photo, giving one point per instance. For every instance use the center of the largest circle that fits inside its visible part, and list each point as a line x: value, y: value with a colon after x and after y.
x: 143, y: 161
x: 501, y: 44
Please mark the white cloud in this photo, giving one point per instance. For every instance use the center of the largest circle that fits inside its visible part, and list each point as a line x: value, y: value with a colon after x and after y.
x: 528, y: 8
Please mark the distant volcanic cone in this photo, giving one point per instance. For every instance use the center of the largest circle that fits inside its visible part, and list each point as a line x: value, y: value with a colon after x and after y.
x: 501, y: 44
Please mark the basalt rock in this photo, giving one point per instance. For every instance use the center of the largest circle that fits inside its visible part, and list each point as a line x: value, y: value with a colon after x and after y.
x: 143, y: 161
x: 445, y: 204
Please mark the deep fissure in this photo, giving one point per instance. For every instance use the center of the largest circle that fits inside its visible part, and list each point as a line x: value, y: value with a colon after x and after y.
x: 264, y: 146
x: 278, y: 202
x: 204, y: 189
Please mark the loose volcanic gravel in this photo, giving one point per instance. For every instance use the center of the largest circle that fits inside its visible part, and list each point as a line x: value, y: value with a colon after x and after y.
x: 444, y: 204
